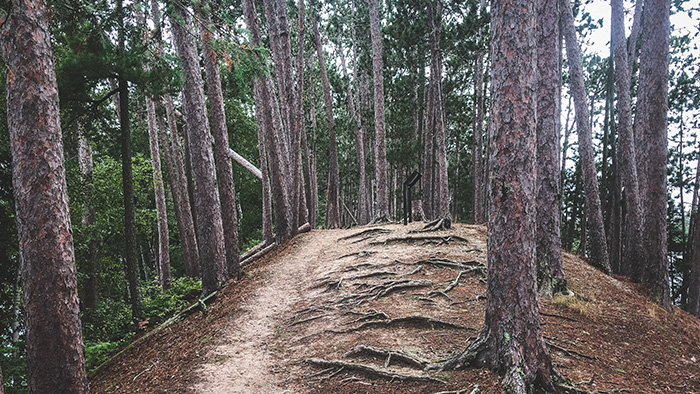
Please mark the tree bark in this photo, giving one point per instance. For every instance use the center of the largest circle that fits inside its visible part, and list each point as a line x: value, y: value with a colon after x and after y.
x: 219, y: 130
x: 210, y: 232
x: 333, y: 201
x: 653, y: 82
x: 380, y: 165
x: 313, y: 165
x: 163, y: 264
x: 550, y: 269
x: 511, y: 341
x: 599, y: 249
x: 633, y: 241
x: 54, y: 342
x: 300, y: 144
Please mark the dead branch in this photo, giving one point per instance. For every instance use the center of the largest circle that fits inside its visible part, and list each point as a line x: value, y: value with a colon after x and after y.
x: 257, y: 255
x: 387, y: 355
x: 371, y: 371
x: 245, y: 163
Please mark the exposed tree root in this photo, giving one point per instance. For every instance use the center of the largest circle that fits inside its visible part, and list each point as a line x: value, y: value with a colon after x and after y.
x: 435, y: 225
x: 312, y: 318
x: 372, y: 314
x: 328, y: 283
x: 559, y: 316
x: 371, y: 371
x: 372, y: 275
x: 413, y: 321
x: 456, y: 281
x: 366, y: 234
x: 447, y: 263
x: 388, y: 355
x: 570, y: 353
x: 382, y: 290
x: 415, y: 271
x: 362, y: 253
x: 425, y: 239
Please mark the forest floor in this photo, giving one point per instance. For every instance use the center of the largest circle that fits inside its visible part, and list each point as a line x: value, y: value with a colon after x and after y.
x: 364, y: 310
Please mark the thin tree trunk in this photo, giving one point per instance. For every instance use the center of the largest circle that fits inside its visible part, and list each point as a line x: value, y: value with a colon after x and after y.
x: 90, y: 290
x: 693, y: 250
x: 332, y: 202
x: 54, y: 342
x: 301, y: 146
x: 380, y: 165
x: 163, y: 264
x: 212, y: 250
x: 313, y: 169
x: 224, y: 168
x: 550, y: 269
x: 653, y: 82
x: 599, y: 255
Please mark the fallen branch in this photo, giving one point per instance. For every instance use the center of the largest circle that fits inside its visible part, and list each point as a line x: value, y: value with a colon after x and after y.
x: 387, y: 355
x: 255, y: 249
x: 371, y: 371
x: 257, y: 255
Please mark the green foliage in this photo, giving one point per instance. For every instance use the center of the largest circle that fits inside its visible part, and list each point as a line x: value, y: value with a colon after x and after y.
x: 159, y: 305
x: 97, y: 353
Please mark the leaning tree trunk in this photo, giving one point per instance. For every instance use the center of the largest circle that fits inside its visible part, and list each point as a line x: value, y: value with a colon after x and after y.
x: 599, y: 249
x: 54, y: 342
x: 380, y: 166
x: 333, y: 201
x: 224, y: 170
x: 633, y: 235
x: 511, y: 341
x: 653, y: 83
x: 550, y: 269
x: 212, y: 250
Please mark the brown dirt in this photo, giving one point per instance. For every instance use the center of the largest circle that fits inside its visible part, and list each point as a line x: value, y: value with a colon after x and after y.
x: 292, y: 305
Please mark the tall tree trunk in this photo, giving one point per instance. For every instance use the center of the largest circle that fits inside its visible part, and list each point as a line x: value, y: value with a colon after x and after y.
x: 224, y: 170
x: 313, y: 169
x: 511, y: 341
x: 90, y: 290
x: 550, y: 269
x: 275, y: 145
x: 55, y: 357
x: 479, y: 186
x: 380, y: 166
x: 163, y: 264
x: 599, y: 247
x: 693, y: 251
x: 653, y: 82
x: 212, y: 250
x: 428, y: 177
x: 301, y: 147
x: 332, y: 202
x: 441, y: 200
x: 633, y: 242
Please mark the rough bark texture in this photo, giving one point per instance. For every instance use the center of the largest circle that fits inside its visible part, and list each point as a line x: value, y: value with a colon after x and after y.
x: 479, y: 186
x: 173, y: 159
x: 633, y: 236
x: 224, y: 168
x: 594, y: 213
x: 333, y: 200
x: 550, y: 269
x: 380, y: 166
x: 313, y: 164
x: 300, y: 145
x: 210, y: 232
x: 54, y: 343
x: 275, y: 145
x: 511, y: 340
x: 163, y: 265
x: 653, y: 82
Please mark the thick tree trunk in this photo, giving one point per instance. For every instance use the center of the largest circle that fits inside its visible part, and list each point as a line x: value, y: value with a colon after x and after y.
x: 633, y: 254
x: 380, y: 166
x: 511, y: 341
x: 224, y: 168
x: 163, y: 264
x: 653, y: 82
x: 550, y: 269
x: 333, y: 201
x: 599, y: 254
x: 210, y: 232
x: 54, y: 342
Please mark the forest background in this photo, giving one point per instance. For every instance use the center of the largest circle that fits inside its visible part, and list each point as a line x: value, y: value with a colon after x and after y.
x: 100, y: 43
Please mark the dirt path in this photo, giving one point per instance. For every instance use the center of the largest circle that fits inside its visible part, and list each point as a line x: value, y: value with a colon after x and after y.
x: 243, y: 363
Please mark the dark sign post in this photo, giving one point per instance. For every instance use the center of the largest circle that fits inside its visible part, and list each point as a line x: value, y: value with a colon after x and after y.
x: 407, y: 200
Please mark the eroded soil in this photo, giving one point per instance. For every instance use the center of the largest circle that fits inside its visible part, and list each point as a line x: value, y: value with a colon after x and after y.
x: 365, y: 310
